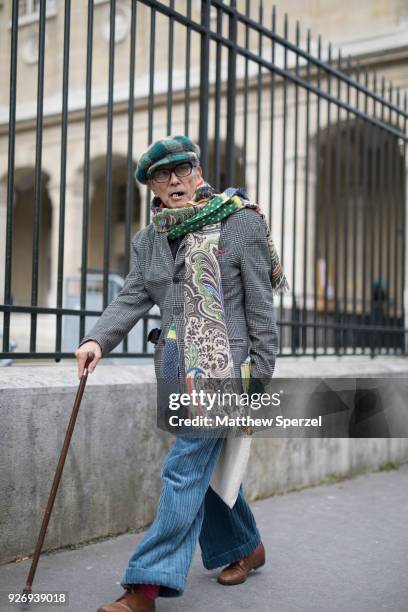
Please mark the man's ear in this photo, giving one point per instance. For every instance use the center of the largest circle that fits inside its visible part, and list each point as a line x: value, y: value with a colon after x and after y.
x: 200, y: 171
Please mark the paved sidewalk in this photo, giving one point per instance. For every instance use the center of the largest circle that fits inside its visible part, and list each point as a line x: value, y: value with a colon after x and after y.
x: 334, y: 548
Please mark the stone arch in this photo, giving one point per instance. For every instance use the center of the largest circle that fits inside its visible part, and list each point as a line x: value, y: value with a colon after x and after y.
x: 117, y: 262
x: 353, y: 216
x: 366, y: 197
x: 23, y: 237
x: 218, y: 178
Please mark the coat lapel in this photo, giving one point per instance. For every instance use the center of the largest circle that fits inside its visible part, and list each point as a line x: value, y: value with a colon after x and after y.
x: 180, y: 255
x: 164, y: 252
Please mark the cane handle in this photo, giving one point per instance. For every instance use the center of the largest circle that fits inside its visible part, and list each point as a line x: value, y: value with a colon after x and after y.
x: 89, y: 359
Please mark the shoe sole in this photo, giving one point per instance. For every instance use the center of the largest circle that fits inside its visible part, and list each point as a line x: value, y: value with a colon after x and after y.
x: 240, y: 581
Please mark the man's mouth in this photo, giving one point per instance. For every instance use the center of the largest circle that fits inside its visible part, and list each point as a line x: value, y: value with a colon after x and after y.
x: 177, y: 195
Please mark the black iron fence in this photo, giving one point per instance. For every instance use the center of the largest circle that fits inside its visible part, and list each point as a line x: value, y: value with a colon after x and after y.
x: 316, y: 138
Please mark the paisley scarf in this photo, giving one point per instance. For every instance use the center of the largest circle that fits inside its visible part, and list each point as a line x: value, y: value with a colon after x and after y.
x: 207, y: 353
x: 207, y: 208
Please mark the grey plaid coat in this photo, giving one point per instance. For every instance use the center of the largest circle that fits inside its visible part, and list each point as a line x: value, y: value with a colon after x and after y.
x: 155, y: 278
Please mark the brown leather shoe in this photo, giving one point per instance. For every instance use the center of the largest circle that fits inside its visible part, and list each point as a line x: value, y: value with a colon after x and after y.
x: 237, y: 572
x: 130, y: 602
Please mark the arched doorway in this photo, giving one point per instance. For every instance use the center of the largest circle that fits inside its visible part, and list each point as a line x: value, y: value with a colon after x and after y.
x: 23, y: 238
x: 360, y: 234
x: 118, y: 238
x: 217, y: 166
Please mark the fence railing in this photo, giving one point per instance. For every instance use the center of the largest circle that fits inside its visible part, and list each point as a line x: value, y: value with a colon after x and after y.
x: 316, y: 138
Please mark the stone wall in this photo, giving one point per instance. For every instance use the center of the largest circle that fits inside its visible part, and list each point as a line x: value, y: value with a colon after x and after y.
x: 111, y: 480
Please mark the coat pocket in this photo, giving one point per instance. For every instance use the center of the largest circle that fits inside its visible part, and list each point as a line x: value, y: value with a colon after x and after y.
x: 239, y: 351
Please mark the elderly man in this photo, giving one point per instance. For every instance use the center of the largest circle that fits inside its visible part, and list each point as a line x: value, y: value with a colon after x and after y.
x: 208, y: 261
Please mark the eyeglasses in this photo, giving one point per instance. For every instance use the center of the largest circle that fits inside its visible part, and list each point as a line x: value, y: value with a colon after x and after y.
x: 162, y: 175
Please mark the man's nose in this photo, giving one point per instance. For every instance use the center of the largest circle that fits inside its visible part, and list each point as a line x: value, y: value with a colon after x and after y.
x: 174, y: 177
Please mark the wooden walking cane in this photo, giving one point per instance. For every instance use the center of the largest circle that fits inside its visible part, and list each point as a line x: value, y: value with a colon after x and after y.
x: 58, y: 473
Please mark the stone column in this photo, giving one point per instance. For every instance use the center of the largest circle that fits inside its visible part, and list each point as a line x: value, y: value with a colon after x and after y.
x: 3, y: 224
x: 72, y: 232
x: 53, y: 192
x: 406, y: 259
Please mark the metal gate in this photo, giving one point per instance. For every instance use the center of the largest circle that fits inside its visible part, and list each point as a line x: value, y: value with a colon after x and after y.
x: 318, y: 140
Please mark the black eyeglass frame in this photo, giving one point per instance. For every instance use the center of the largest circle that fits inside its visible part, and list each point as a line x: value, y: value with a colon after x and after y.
x: 171, y: 170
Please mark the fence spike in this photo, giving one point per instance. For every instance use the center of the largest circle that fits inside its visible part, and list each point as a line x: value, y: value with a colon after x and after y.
x: 366, y: 76
x: 358, y: 68
x: 349, y: 64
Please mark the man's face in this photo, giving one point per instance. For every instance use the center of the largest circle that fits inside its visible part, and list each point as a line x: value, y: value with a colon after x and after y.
x: 176, y: 190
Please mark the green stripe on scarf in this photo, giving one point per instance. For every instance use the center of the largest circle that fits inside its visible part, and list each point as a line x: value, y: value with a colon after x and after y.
x: 198, y: 214
x: 217, y: 209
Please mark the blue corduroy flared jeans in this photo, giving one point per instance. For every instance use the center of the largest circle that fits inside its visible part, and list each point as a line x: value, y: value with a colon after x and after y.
x: 189, y: 510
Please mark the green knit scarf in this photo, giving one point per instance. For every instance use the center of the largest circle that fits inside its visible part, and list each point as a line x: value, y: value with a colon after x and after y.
x: 212, y: 209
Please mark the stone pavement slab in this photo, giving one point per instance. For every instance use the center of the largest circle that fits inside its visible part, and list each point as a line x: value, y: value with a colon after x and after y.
x: 330, y: 548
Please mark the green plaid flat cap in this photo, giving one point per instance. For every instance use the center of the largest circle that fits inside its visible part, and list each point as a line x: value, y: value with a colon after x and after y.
x: 169, y: 150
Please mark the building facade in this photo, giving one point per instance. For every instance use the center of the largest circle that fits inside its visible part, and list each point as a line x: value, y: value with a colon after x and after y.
x: 331, y: 183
